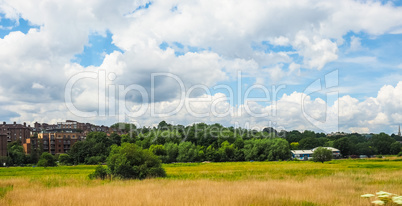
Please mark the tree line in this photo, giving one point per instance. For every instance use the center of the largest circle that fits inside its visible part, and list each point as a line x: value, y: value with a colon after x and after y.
x: 202, y: 142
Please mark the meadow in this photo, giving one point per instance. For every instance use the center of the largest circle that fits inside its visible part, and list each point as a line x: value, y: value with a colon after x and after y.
x: 338, y: 182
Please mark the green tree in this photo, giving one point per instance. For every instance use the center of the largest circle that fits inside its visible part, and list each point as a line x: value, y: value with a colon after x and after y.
x: 127, y: 138
x: 116, y: 138
x: 129, y: 161
x: 322, y: 154
x: 125, y: 127
x: 172, y: 151
x: 211, y: 154
x: 266, y: 149
x: 187, y: 152
x: 365, y: 148
x: 227, y: 152
x: 294, y: 145
x: 47, y: 160
x: 279, y: 150
x: 395, y: 148
x: 16, y: 153
x: 344, y: 145
x: 94, y: 160
x: 65, y: 159
x: 382, y: 142
x: 309, y: 142
x: 158, y: 150
x: 97, y: 144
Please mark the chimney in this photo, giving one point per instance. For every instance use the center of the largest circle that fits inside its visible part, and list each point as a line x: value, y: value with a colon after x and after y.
x: 4, y: 123
x: 25, y: 124
x: 15, y: 122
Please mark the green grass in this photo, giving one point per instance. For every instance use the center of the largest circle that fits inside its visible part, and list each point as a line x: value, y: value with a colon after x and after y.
x: 222, y: 171
x: 275, y: 170
x: 230, y: 171
x: 33, y: 172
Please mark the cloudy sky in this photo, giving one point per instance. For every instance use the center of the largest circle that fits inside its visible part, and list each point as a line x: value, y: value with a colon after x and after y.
x: 317, y: 65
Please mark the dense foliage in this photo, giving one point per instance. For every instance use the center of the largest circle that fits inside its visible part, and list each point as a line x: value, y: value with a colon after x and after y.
x: 202, y: 142
x: 129, y: 161
x: 47, y: 160
x: 322, y: 154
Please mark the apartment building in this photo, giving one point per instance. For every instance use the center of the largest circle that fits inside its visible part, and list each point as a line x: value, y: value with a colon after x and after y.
x: 3, y: 145
x: 15, y: 131
x: 58, y: 142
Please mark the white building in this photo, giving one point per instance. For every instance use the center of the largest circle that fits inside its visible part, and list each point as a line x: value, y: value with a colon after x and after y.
x: 308, y: 154
x: 302, y: 154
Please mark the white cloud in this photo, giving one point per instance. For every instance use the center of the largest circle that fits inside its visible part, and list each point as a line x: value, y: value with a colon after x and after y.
x: 224, y: 32
x: 355, y: 44
x: 37, y: 86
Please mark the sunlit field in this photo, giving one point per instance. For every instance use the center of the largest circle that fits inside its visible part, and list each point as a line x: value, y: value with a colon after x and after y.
x: 339, y: 182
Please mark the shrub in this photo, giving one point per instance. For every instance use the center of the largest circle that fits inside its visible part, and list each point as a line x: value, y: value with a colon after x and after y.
x: 100, y: 173
x: 322, y: 154
x: 65, y: 159
x: 47, y: 160
x: 399, y: 154
x: 129, y: 161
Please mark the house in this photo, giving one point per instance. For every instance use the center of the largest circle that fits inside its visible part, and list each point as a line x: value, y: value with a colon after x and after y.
x: 302, y: 154
x: 308, y: 154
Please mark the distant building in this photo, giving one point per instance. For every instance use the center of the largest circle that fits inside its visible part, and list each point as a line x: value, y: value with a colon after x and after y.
x: 3, y: 145
x: 337, y: 134
x: 399, y: 131
x: 53, y: 138
x: 58, y: 142
x: 335, y: 152
x: 308, y: 154
x: 302, y: 154
x: 15, y: 131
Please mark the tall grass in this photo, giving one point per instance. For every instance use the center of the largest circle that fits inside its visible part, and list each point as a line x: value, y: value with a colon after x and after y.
x: 242, y: 183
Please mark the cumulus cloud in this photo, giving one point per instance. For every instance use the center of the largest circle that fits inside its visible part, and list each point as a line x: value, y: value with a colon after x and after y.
x: 218, y: 40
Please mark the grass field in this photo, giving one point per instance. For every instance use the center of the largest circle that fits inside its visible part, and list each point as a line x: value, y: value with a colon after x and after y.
x: 339, y: 182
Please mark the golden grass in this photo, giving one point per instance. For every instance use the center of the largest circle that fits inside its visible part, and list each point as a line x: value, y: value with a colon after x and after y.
x: 263, y: 183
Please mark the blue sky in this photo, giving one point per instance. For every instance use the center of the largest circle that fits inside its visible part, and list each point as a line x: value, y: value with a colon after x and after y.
x: 203, y: 45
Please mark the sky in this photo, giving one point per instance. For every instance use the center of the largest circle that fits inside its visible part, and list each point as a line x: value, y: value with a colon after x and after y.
x: 301, y: 65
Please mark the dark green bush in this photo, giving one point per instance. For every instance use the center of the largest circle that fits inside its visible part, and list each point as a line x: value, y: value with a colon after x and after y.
x: 46, y: 160
x: 130, y: 161
x: 100, y: 173
x: 65, y: 159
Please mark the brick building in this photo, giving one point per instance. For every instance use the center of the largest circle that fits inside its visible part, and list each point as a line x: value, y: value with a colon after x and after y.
x: 38, y: 127
x: 15, y: 131
x: 3, y: 145
x: 58, y: 142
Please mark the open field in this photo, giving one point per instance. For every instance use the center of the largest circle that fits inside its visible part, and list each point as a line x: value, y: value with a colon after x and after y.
x: 338, y: 182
